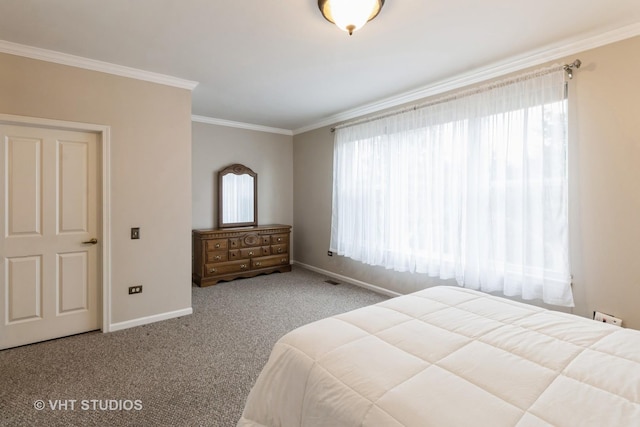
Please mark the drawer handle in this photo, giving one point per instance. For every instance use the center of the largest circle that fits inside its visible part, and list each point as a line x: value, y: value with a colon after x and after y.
x: 258, y: 264
x: 279, y: 239
x: 212, y: 270
x: 243, y: 266
x: 250, y: 253
x: 217, y: 257
x: 217, y: 245
x: 279, y: 250
x: 283, y: 260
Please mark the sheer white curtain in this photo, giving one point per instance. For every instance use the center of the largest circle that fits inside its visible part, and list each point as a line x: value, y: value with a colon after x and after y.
x: 472, y: 188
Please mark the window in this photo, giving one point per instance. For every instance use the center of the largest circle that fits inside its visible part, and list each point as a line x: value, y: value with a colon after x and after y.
x: 472, y: 188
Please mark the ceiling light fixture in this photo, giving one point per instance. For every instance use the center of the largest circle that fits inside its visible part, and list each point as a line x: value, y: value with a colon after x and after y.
x: 350, y: 15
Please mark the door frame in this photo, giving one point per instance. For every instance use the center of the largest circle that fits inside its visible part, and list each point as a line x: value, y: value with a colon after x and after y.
x: 104, y: 139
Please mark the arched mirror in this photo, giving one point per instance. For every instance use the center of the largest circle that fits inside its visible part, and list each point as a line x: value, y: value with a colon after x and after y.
x: 237, y: 197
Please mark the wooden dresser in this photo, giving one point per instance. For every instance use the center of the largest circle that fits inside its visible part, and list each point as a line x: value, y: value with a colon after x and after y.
x: 229, y: 253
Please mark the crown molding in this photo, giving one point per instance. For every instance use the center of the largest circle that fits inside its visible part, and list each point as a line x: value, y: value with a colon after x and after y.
x: 498, y: 69
x: 93, y: 65
x: 240, y: 125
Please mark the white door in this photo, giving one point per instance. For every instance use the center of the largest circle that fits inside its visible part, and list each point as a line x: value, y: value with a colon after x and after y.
x: 50, y: 264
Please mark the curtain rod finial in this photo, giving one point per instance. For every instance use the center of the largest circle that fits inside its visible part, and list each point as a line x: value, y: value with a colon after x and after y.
x: 569, y: 67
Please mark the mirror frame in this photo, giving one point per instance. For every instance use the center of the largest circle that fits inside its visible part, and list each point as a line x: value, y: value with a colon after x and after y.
x: 237, y: 169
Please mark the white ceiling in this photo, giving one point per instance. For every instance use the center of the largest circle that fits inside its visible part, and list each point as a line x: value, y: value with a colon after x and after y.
x: 279, y: 64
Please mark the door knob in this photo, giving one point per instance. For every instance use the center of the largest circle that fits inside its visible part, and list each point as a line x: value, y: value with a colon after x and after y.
x: 91, y: 242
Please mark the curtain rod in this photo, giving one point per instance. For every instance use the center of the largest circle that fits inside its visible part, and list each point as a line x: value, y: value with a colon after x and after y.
x: 568, y: 68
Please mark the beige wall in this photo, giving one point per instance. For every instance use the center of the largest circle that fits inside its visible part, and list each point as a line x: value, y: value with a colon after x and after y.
x: 269, y: 155
x: 604, y: 191
x: 150, y: 171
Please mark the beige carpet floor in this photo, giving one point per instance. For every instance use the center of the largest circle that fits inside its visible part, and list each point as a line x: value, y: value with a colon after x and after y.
x: 191, y: 371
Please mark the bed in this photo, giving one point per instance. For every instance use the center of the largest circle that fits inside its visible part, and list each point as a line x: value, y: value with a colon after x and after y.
x: 449, y: 356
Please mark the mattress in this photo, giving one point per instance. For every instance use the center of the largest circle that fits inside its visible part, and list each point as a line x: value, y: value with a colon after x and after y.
x: 448, y: 356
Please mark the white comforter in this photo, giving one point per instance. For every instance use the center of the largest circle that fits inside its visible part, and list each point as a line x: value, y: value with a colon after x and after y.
x: 450, y: 357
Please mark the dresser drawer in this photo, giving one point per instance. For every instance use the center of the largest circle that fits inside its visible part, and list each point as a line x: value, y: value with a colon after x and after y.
x: 227, y: 267
x: 254, y: 252
x: 269, y: 261
x: 215, y: 244
x: 279, y: 249
x: 279, y: 238
x: 217, y: 256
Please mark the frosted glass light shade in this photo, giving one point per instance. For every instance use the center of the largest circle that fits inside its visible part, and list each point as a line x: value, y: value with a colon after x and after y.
x: 350, y: 15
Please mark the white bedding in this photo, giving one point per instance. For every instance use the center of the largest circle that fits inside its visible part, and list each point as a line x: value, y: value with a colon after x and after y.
x: 450, y: 356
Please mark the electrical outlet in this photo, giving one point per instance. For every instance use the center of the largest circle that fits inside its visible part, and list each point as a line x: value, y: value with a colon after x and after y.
x: 329, y: 253
x: 606, y: 318
x: 135, y: 233
x: 135, y: 289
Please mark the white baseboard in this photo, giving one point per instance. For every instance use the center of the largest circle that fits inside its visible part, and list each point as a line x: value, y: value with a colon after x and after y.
x: 149, y: 319
x: 351, y: 280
